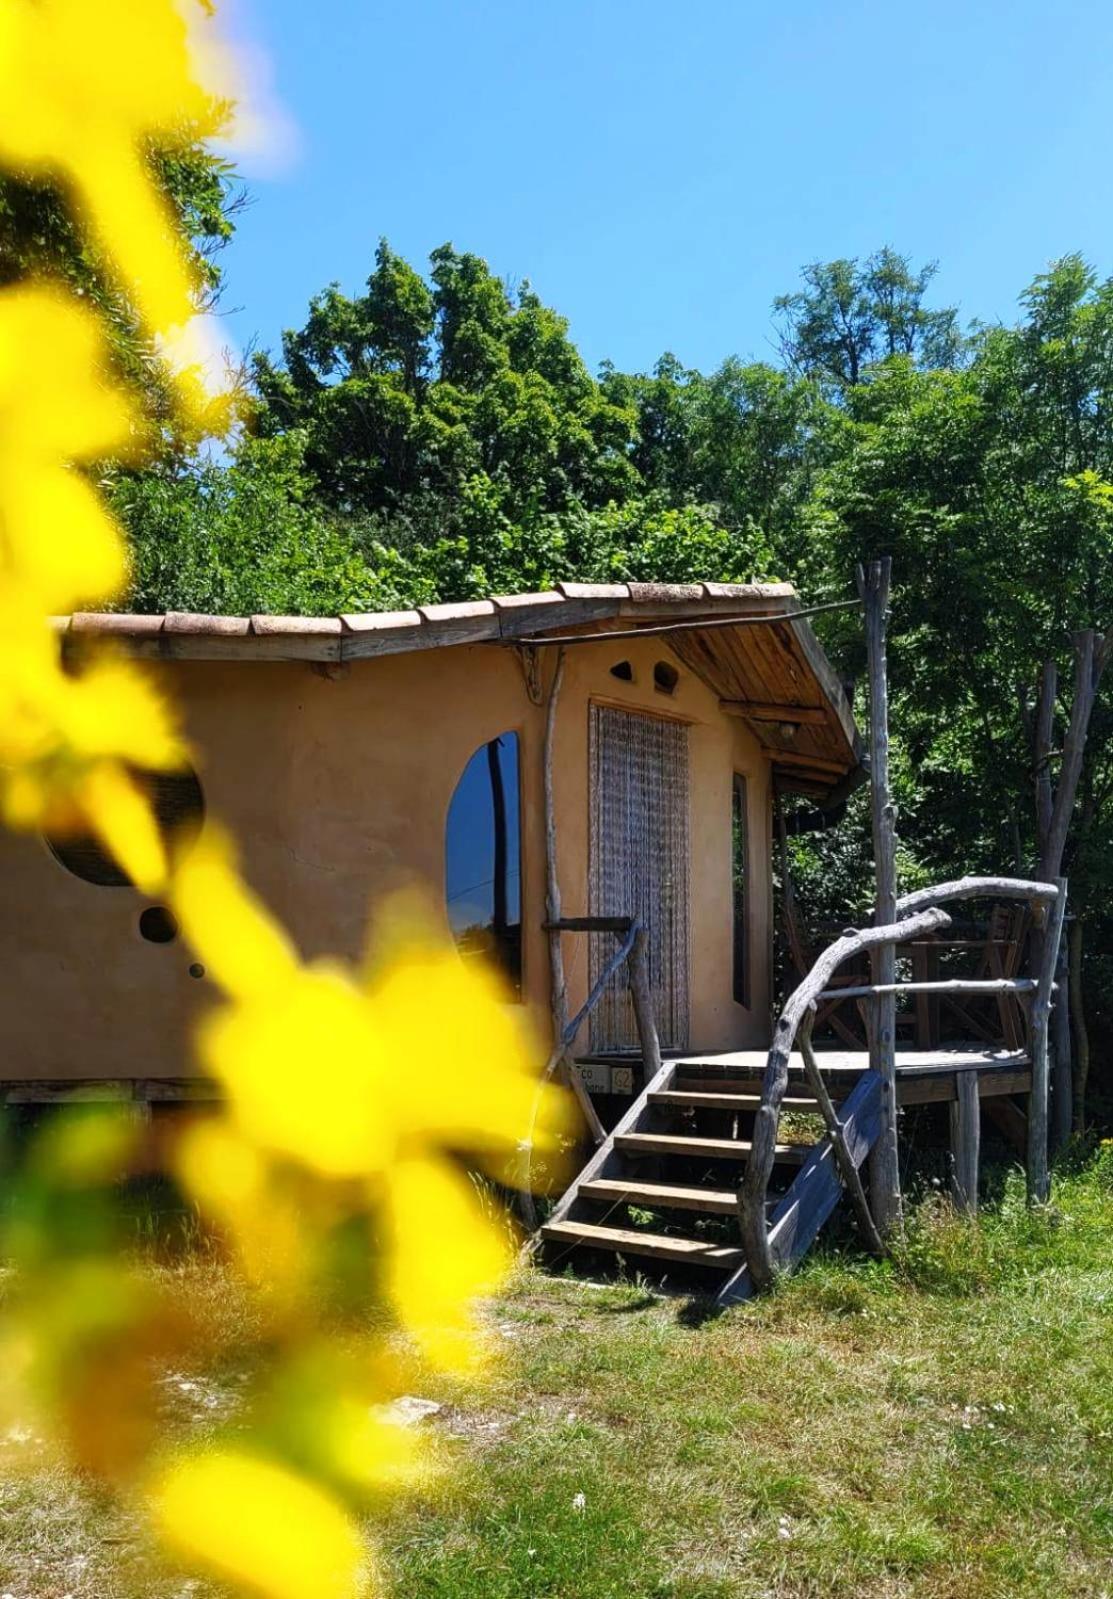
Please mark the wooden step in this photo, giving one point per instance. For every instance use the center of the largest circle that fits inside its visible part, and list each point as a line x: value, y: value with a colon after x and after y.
x: 629, y: 1241
x: 663, y: 1196
x: 705, y: 1099
x: 711, y: 1148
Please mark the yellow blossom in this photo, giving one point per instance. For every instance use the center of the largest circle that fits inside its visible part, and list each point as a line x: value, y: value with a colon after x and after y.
x: 82, y: 87
x: 260, y: 1526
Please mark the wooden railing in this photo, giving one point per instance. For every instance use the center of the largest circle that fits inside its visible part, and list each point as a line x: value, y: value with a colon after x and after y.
x: 916, y: 914
x: 634, y: 940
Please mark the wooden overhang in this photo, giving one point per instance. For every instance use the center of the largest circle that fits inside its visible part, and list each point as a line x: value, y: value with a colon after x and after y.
x: 773, y: 673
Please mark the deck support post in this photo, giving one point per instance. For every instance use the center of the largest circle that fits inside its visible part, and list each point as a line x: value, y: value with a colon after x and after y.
x: 873, y: 586
x: 965, y: 1142
x: 1038, y: 1177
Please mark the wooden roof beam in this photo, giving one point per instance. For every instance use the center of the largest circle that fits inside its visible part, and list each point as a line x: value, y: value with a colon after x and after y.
x: 756, y: 711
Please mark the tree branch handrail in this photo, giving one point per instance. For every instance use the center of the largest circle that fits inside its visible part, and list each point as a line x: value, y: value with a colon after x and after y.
x: 1039, y: 894
x: 759, y: 1166
x: 941, y: 985
x: 918, y: 913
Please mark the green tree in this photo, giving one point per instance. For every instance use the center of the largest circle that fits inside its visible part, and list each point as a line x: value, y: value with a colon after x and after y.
x: 39, y: 237
x: 850, y: 314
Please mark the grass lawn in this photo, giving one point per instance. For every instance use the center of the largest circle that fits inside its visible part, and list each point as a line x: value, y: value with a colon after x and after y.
x: 941, y: 1429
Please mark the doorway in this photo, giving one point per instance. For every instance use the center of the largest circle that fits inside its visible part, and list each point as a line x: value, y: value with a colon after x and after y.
x: 639, y: 866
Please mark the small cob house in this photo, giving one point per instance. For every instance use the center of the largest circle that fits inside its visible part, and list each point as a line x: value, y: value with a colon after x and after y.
x: 351, y: 756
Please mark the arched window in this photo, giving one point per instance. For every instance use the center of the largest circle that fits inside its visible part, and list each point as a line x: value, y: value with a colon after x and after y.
x: 178, y: 805
x: 483, y: 874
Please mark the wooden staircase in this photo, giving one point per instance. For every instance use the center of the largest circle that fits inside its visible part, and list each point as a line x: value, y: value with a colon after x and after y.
x: 662, y: 1188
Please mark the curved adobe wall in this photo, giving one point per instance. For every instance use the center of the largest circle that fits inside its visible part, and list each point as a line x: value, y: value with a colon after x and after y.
x: 337, y: 791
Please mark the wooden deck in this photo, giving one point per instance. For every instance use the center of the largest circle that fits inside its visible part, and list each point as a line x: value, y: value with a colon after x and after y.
x: 923, y: 1076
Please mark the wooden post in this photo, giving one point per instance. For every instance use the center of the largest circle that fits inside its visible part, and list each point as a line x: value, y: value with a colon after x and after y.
x: 558, y: 989
x: 1062, y: 1064
x: 965, y: 1142
x: 873, y: 586
x: 642, y: 997
x: 1038, y: 1180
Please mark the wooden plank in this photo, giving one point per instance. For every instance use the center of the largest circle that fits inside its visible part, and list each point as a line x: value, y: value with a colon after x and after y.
x: 127, y: 1090
x: 815, y: 763
x: 628, y: 1241
x: 757, y: 711
x: 589, y: 924
x: 747, y: 1065
x: 248, y: 647
x: 816, y: 1191
x: 699, y: 1098
x: 710, y: 1148
x: 821, y: 669
x: 665, y: 1196
x: 965, y: 1143
x: 939, y: 1088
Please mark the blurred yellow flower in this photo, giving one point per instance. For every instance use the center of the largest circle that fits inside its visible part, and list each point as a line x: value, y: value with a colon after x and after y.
x: 356, y: 1101
x: 82, y: 87
x: 260, y: 1526
x: 59, y: 548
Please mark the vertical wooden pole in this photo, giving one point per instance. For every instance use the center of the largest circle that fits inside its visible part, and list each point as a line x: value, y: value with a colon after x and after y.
x: 873, y: 586
x: 1038, y: 1177
x: 642, y: 996
x: 966, y: 1134
x: 558, y: 989
x: 558, y: 992
x: 1062, y: 1067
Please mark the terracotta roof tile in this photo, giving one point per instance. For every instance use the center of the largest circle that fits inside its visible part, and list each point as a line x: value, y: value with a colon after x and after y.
x: 665, y: 593
x: 595, y: 591
x: 381, y: 621
x: 748, y: 591
x: 515, y: 602
x: 198, y: 622
x: 462, y: 611
x: 300, y: 626
x: 114, y: 622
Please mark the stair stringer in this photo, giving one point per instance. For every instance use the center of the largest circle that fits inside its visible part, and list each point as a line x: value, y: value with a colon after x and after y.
x: 817, y: 1189
x: 607, y: 1156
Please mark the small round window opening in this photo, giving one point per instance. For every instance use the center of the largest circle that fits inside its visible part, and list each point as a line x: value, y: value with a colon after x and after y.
x: 179, y: 809
x: 665, y: 678
x: 158, y: 925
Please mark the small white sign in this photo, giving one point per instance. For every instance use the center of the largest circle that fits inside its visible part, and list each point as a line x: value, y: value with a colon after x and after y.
x: 596, y: 1075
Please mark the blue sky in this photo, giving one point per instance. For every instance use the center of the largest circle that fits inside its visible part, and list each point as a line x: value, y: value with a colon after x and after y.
x: 661, y: 171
